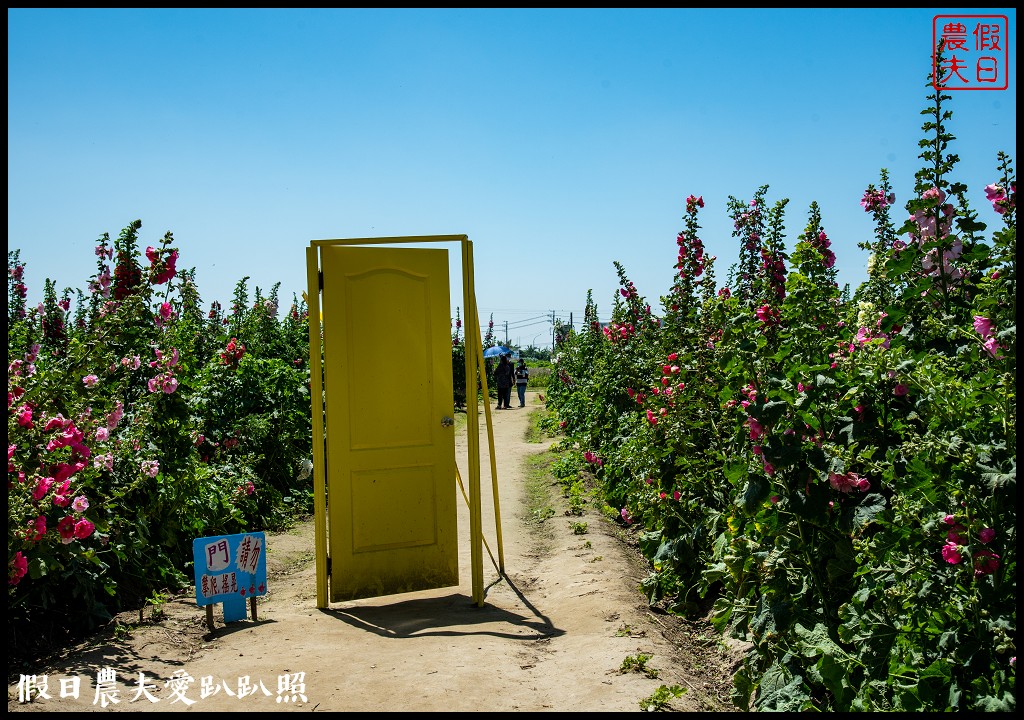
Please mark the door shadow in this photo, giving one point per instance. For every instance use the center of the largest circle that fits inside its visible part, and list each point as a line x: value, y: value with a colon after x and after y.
x: 451, y: 615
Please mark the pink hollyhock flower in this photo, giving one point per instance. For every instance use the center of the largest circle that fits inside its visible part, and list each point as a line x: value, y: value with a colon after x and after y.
x: 673, y: 357
x: 626, y: 517
x: 151, y: 467
x: 757, y: 450
x: 986, y: 562
x: 983, y: 326
x: 993, y: 348
x: 18, y: 569
x: 949, y: 520
x: 80, y: 504
x: 769, y: 469
x: 37, y: 528
x: 115, y: 416
x: 170, y: 384
x: 90, y: 380
x: 43, y: 486
x: 756, y: 429
x: 54, y: 423
x: 165, y: 310
x: 66, y: 528
x: 986, y: 535
x: 25, y: 417
x: 848, y: 482
x: 900, y: 390
x: 83, y: 529
x: 652, y: 418
x: 951, y: 553
x: 774, y: 499
x: 102, y: 434
x: 676, y: 495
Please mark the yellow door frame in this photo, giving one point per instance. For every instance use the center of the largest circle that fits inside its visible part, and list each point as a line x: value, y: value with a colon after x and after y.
x: 474, y: 361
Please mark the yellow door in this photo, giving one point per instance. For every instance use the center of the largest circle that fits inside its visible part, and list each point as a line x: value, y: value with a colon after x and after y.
x: 390, y: 462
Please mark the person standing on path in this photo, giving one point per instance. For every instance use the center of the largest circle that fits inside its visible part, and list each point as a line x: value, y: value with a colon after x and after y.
x: 504, y: 374
x: 522, y: 378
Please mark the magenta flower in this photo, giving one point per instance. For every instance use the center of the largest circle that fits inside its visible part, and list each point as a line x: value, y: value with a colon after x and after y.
x: 18, y: 569
x: 43, y: 486
x: 102, y: 434
x: 66, y: 528
x: 769, y: 469
x: 900, y: 390
x: 90, y: 380
x: 83, y: 529
x: 80, y: 504
x: 986, y: 535
x: 37, y: 528
x: 626, y: 517
x: 676, y: 495
x: 951, y: 553
x: 652, y: 418
x: 986, y: 562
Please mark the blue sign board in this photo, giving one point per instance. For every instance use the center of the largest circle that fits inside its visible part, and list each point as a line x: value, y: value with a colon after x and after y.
x: 230, y: 569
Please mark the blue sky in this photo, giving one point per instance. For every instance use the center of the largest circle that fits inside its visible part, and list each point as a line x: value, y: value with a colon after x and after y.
x: 558, y: 140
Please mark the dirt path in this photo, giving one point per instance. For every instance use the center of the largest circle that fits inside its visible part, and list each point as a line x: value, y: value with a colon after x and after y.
x: 551, y: 637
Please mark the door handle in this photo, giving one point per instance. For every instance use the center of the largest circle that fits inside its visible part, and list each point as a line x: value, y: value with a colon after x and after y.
x: 447, y: 421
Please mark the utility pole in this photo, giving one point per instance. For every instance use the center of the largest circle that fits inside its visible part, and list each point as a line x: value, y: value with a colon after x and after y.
x: 506, y: 333
x: 552, y: 331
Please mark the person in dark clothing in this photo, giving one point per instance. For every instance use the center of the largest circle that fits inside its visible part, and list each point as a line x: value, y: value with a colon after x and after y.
x: 522, y: 378
x: 504, y: 375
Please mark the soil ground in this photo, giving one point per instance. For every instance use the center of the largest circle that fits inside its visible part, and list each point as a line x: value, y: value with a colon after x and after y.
x: 554, y: 634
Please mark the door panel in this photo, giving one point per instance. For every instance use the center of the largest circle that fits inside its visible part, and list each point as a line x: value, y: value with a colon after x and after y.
x: 388, y: 385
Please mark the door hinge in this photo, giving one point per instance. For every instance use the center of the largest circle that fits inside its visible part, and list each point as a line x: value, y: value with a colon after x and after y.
x: 328, y: 566
x: 320, y: 277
